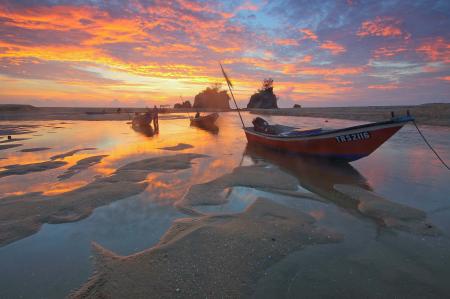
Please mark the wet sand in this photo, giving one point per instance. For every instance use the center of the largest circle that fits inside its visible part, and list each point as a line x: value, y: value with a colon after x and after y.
x: 7, y: 146
x: 34, y: 149
x: 259, y: 177
x: 178, y: 147
x: 80, y: 166
x: 23, y: 215
x: 22, y: 169
x: 208, y: 257
x: 389, y: 213
x: 233, y: 254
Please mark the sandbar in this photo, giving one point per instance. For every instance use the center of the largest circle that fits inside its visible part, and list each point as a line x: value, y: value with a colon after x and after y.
x: 23, y: 215
x: 178, y: 147
x: 220, y: 256
x: 80, y: 166
x: 34, y: 149
x: 71, y: 153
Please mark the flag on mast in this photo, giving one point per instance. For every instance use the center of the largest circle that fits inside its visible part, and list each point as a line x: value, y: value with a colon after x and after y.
x: 232, y: 95
x: 226, y: 77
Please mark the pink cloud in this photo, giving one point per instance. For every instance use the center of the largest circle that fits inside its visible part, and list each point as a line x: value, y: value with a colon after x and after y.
x: 309, y: 34
x: 435, y: 49
x: 333, y: 47
x: 381, y: 26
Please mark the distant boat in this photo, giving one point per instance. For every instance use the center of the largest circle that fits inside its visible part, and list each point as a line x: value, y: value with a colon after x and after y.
x: 347, y: 144
x: 206, y: 122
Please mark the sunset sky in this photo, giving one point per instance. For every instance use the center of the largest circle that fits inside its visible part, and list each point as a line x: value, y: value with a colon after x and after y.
x: 138, y: 53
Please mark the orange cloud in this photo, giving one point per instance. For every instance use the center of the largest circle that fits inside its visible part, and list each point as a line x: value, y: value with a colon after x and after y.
x: 307, y: 58
x: 381, y: 26
x: 383, y: 86
x: 333, y: 47
x: 286, y: 42
x: 446, y: 78
x: 309, y: 34
x: 437, y: 49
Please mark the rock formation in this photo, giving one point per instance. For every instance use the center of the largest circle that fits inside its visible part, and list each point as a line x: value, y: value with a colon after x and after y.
x: 212, y: 97
x: 185, y: 104
x: 264, y: 98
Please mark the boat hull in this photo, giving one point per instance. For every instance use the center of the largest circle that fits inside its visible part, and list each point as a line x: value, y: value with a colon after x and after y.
x: 205, y: 122
x: 346, y: 144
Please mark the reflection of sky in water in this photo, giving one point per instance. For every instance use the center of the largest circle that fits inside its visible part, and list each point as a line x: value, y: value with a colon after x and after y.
x: 56, y: 259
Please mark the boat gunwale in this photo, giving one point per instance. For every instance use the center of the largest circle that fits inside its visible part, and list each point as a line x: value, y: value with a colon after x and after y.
x: 400, y: 121
x: 214, y: 115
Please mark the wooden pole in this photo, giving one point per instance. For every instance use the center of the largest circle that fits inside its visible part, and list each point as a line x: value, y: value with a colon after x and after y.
x: 232, y: 95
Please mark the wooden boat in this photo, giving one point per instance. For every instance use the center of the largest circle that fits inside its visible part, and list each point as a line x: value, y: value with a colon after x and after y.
x: 347, y: 144
x: 142, y: 123
x: 142, y: 120
x: 206, y: 122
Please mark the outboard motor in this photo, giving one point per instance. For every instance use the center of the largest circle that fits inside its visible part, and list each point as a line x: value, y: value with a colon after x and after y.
x: 261, y: 125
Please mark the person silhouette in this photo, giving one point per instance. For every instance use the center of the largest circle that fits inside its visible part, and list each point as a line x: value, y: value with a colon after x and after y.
x: 155, y: 119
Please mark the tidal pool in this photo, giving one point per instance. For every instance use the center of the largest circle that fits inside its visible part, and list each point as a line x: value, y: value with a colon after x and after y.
x: 371, y: 260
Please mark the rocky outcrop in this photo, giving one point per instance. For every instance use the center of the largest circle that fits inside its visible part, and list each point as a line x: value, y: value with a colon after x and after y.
x: 16, y: 107
x: 185, y: 104
x: 264, y: 99
x: 212, y: 97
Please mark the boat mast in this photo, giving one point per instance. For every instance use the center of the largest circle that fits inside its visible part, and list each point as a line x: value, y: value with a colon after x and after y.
x: 232, y: 95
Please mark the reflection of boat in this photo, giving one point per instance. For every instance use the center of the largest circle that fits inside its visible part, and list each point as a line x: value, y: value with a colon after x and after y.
x: 206, y: 122
x: 314, y: 174
x: 343, y: 185
x: 347, y: 144
x: 145, y: 130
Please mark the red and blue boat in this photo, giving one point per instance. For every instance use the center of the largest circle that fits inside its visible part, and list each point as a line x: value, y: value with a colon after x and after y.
x: 347, y: 144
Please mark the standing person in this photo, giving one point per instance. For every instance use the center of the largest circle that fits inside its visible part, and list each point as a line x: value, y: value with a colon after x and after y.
x: 155, y: 119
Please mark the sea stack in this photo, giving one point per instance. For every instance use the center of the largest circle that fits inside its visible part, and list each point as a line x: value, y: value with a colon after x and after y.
x: 212, y: 97
x: 264, y: 98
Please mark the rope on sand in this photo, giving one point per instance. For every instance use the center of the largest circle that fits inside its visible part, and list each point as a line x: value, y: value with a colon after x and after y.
x: 429, y: 145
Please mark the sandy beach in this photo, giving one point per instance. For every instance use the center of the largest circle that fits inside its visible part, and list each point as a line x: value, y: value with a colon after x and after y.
x: 427, y: 114
x: 186, y: 213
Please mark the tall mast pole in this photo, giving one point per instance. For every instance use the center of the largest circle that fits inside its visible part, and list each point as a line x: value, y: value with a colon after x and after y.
x: 232, y: 95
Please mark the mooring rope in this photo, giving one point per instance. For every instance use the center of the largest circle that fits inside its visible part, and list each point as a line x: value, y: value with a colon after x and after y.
x: 429, y: 145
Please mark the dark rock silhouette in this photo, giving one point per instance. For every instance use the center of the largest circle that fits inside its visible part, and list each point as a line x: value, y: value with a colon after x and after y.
x: 17, y: 107
x: 297, y: 106
x: 212, y: 97
x: 185, y: 104
x: 264, y: 98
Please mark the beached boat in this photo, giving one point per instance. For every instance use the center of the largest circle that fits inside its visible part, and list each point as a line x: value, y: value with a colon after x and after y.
x: 206, y: 122
x: 347, y: 144
x: 142, y: 119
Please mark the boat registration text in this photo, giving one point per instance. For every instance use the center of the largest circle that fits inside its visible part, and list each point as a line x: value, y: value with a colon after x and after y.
x: 353, y: 137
